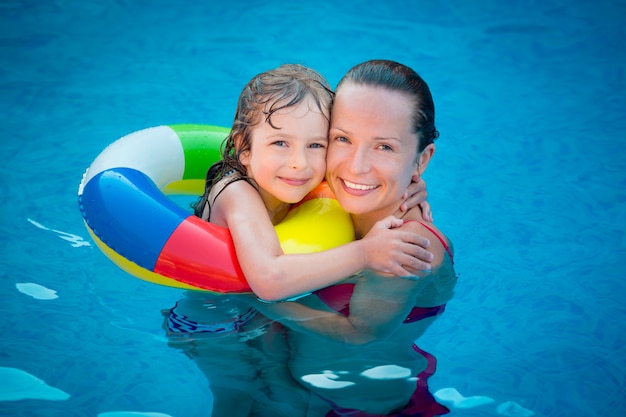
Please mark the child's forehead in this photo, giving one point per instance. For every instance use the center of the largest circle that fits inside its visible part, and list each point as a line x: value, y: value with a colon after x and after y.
x: 303, y: 107
x: 300, y: 120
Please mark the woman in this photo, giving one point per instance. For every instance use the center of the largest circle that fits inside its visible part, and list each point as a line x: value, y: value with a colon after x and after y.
x: 381, y: 138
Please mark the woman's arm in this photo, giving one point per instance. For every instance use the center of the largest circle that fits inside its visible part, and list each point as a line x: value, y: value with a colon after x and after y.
x: 378, y: 307
x: 273, y: 275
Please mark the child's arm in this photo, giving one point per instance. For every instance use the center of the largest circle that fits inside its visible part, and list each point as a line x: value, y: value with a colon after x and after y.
x: 415, y: 196
x: 273, y: 275
x: 378, y: 306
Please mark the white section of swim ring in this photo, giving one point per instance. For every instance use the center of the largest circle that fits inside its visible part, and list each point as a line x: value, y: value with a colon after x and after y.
x: 155, y: 151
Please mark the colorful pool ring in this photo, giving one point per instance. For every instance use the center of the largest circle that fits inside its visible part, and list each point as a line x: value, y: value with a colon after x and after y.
x: 124, y: 203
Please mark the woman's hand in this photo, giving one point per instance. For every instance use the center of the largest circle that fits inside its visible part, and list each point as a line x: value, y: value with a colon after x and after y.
x: 393, y: 251
x: 415, y: 196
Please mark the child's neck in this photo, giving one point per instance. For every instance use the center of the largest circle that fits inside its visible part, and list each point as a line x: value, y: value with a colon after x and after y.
x: 277, y: 214
x: 276, y: 209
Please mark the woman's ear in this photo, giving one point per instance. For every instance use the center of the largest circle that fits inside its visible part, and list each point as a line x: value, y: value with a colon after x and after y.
x: 424, y: 159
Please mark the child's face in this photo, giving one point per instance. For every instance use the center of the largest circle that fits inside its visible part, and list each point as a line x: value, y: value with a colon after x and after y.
x: 290, y: 161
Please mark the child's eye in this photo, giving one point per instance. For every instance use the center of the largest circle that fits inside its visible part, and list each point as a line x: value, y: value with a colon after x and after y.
x: 318, y: 145
x: 280, y: 143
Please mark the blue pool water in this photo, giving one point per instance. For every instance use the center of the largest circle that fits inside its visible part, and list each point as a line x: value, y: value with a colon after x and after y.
x: 529, y: 181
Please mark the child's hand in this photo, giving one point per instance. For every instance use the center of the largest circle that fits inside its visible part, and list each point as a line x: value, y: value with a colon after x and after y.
x: 415, y: 196
x: 395, y: 251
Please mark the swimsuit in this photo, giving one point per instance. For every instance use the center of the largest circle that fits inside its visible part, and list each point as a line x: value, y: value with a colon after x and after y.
x: 338, y: 296
x: 438, y: 236
x: 178, y: 324
x: 422, y: 403
x: 228, y: 178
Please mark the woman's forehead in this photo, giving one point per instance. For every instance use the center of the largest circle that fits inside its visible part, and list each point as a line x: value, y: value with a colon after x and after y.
x: 372, y: 99
x: 375, y: 106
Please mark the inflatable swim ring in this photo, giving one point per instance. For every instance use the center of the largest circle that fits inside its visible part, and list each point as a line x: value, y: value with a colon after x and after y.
x: 123, y: 198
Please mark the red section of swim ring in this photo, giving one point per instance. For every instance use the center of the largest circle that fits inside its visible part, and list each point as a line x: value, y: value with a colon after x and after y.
x: 203, y: 255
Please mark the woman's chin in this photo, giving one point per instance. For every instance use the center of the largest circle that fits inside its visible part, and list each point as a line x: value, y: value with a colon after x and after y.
x: 354, y: 205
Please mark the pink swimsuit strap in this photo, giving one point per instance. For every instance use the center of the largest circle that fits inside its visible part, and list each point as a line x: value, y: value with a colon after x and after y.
x: 337, y: 297
x: 438, y: 236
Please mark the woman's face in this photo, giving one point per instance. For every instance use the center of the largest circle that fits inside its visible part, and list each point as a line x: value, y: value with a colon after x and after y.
x: 372, y: 153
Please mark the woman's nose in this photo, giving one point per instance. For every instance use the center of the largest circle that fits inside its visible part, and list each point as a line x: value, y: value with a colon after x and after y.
x: 359, y: 161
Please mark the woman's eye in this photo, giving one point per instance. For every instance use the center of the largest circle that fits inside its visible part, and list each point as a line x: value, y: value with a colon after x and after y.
x: 341, y: 139
x: 384, y: 147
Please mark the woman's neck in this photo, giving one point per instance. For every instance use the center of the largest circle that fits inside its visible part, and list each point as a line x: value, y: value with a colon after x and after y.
x: 364, y: 222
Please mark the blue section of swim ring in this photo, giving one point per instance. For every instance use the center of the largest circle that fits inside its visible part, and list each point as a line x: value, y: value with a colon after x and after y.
x: 129, y: 213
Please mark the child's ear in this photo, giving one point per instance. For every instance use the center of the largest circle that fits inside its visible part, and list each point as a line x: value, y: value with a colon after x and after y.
x: 244, y: 156
x: 425, y: 158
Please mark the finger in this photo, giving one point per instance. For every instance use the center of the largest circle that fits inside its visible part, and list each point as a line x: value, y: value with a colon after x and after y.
x: 392, y: 221
x: 419, y: 253
x: 417, y: 265
x: 416, y: 274
x: 426, y: 211
x: 417, y: 185
x: 399, y: 270
x: 382, y: 224
x: 415, y: 239
x: 412, y: 267
x: 415, y: 199
x: 424, y: 256
x: 397, y: 222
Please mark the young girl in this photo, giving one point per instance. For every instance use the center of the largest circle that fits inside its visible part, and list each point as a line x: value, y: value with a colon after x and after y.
x: 274, y: 155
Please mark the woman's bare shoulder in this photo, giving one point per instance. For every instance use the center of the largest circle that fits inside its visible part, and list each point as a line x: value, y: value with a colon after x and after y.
x: 440, y: 245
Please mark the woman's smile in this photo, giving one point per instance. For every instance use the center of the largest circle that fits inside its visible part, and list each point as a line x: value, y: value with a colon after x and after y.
x: 355, y: 188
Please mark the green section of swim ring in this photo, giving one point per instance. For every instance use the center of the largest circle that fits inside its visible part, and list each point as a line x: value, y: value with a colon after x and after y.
x: 201, y: 146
